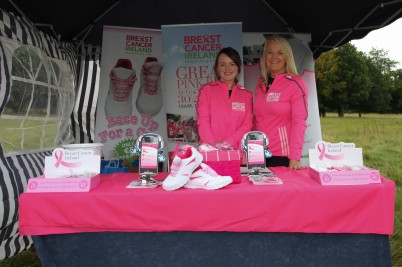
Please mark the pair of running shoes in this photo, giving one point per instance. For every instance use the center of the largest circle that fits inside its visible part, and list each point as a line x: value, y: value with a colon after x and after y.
x: 188, y: 171
x: 122, y: 79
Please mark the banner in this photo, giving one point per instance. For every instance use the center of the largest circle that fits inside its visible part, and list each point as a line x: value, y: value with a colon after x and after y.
x: 131, y: 100
x: 253, y: 45
x: 189, y: 53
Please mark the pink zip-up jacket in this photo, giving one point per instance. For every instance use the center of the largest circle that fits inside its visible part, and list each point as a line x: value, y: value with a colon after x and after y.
x: 281, y: 114
x: 222, y: 118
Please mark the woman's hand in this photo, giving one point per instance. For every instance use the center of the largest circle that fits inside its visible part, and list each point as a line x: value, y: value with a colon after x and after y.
x: 294, y: 164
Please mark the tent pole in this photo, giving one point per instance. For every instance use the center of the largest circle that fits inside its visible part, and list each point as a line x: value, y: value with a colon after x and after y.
x: 58, y: 36
x: 356, y: 27
x: 17, y: 8
x: 88, y: 29
x: 290, y: 29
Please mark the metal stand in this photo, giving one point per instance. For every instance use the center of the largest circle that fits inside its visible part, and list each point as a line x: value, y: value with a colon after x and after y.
x: 254, y: 172
x: 149, y: 147
x: 146, y: 180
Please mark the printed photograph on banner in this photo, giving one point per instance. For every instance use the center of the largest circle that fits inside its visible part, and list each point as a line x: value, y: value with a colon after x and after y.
x: 131, y: 100
x: 189, y: 53
x: 253, y: 46
x: 182, y: 128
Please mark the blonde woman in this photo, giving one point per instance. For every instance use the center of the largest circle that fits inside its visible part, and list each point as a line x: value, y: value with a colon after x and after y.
x: 280, y: 104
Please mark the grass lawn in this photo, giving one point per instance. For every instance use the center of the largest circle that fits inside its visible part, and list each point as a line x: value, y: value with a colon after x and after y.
x: 37, y: 134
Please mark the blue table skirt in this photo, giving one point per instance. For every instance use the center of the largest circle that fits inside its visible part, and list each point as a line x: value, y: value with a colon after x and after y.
x: 213, y: 249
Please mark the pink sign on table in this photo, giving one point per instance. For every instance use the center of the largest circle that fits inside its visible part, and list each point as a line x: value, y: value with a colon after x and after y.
x: 78, y: 184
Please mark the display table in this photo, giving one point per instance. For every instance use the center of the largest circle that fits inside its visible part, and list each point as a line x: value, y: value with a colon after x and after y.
x: 299, y: 221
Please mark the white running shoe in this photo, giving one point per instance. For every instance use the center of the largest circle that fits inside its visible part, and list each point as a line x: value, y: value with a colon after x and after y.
x: 207, y: 178
x: 182, y: 167
x: 119, y: 97
x: 149, y: 100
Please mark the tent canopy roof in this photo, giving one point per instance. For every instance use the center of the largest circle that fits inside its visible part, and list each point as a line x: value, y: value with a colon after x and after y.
x: 330, y: 23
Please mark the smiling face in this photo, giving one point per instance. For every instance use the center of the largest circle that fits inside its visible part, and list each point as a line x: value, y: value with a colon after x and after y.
x: 227, y: 69
x: 275, y: 58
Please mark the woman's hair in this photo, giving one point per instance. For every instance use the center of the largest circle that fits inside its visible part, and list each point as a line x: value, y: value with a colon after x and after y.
x: 232, y: 54
x: 287, y: 52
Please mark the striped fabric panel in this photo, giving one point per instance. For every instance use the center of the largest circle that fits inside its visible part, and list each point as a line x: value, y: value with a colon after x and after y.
x: 22, y: 30
x: 26, y: 166
x: 69, y: 51
x: 86, y: 66
x: 14, y: 245
x: 88, y: 69
x: 16, y: 171
x: 6, y: 193
x: 29, y: 32
x: 7, y: 24
x: 5, y: 84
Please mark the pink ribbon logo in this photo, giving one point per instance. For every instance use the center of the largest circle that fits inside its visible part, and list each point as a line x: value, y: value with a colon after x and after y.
x: 59, y: 160
x: 321, y: 149
x: 83, y: 184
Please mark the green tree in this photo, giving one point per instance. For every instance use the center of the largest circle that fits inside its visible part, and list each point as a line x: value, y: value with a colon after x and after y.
x: 327, y: 81
x: 342, y: 80
x: 396, y: 92
x: 353, y: 72
x: 380, y: 72
x: 349, y: 80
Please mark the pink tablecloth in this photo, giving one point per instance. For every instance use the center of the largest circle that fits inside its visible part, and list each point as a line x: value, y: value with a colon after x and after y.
x: 299, y: 205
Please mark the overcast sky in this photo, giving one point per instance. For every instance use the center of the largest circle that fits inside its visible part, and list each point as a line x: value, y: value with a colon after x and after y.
x: 387, y: 38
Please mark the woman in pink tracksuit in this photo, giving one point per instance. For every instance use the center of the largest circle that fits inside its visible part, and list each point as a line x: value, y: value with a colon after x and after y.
x: 280, y: 104
x: 224, y: 108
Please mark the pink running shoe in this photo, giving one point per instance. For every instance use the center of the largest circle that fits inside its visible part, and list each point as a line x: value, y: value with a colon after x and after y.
x: 119, y: 97
x: 207, y: 178
x: 182, y: 167
x: 149, y: 100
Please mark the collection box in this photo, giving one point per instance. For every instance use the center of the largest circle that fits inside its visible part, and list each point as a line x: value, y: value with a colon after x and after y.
x: 340, y: 164
x: 69, y: 170
x: 225, y: 162
x: 346, y: 177
x: 76, y: 184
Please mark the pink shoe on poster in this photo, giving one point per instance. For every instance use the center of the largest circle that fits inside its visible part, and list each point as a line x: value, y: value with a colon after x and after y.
x: 119, y: 97
x: 149, y: 100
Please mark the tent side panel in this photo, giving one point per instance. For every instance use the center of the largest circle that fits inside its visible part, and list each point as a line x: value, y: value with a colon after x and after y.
x: 16, y: 170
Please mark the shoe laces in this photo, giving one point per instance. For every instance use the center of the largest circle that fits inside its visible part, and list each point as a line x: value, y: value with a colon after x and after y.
x: 122, y: 87
x: 151, y: 78
x: 182, y: 151
x: 175, y: 167
x: 209, y: 171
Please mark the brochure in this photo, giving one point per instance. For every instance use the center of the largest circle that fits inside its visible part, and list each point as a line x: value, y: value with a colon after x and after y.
x: 265, y: 180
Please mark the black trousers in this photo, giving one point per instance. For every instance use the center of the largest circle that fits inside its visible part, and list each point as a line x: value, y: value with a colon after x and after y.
x: 275, y: 161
